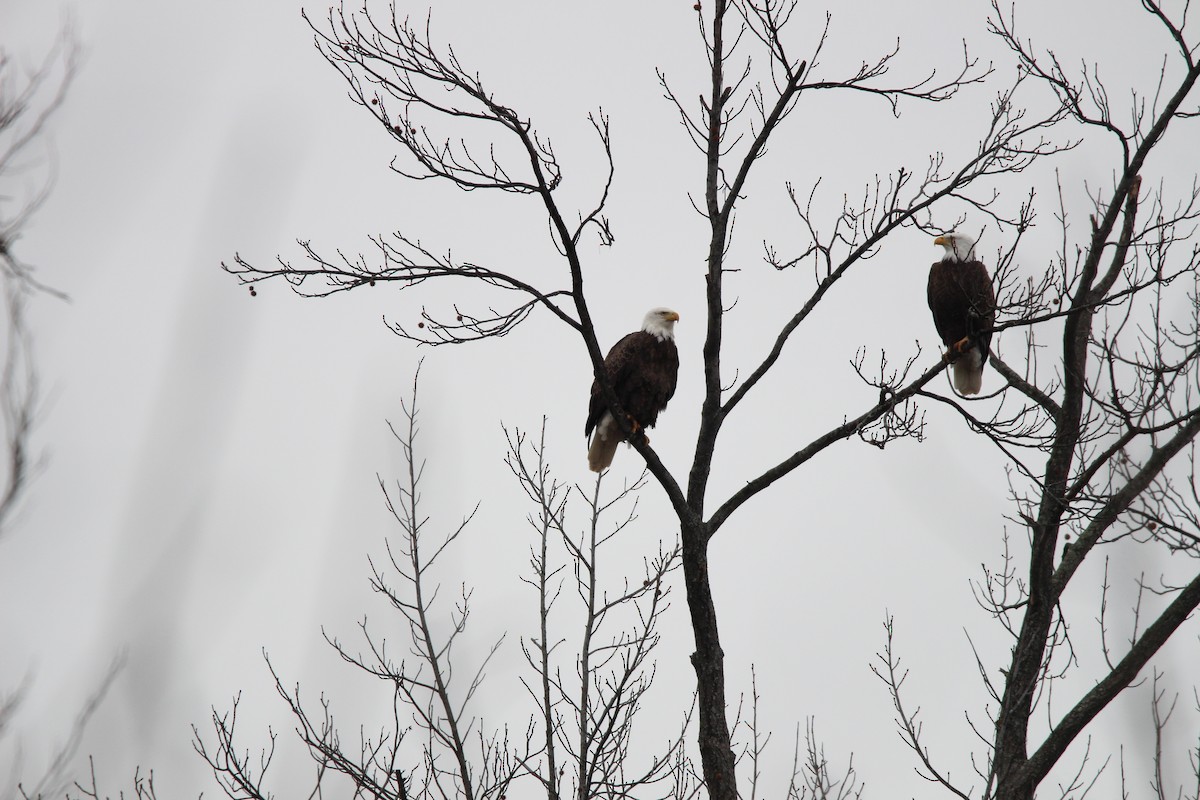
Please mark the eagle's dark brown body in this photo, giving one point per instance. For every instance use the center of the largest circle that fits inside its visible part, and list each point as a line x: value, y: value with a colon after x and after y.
x: 964, y: 307
x: 642, y: 369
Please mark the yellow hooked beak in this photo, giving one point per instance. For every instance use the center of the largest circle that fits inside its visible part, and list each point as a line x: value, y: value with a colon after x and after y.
x: 942, y: 240
x: 673, y: 316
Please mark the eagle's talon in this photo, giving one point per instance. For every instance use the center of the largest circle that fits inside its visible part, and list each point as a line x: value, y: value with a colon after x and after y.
x: 955, y: 350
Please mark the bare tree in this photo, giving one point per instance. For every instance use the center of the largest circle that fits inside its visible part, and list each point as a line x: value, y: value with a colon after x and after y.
x: 1093, y: 415
x: 587, y: 686
x: 28, y: 99
x: 589, y: 719
x: 1107, y: 423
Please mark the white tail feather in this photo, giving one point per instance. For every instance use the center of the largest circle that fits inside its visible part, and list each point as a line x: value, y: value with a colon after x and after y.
x: 968, y: 373
x: 604, y: 444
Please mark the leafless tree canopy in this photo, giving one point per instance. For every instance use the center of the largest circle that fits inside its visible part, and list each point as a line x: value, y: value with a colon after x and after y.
x: 28, y: 98
x: 30, y: 95
x: 586, y: 680
x: 1097, y: 414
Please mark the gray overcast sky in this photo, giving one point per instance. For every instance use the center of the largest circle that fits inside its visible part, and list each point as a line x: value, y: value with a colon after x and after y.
x: 210, y: 485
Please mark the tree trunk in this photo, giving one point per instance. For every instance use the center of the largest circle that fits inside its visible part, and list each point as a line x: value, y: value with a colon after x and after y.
x: 716, y: 754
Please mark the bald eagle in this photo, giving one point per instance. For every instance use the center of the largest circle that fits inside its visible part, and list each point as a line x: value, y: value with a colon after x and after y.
x: 642, y: 369
x: 964, y: 309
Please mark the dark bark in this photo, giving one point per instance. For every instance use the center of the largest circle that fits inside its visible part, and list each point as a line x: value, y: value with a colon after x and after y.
x: 1016, y: 778
x: 1016, y: 707
x: 1046, y: 756
x: 716, y: 752
x: 708, y: 659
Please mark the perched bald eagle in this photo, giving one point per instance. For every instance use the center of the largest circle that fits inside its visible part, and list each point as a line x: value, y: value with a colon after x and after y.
x: 642, y: 368
x: 964, y: 309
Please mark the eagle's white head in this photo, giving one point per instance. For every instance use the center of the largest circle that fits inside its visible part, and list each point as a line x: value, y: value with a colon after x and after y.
x: 660, y: 323
x: 959, y: 246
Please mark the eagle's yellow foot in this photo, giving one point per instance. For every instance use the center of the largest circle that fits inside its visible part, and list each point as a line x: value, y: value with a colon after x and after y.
x: 636, y: 430
x: 957, y: 349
